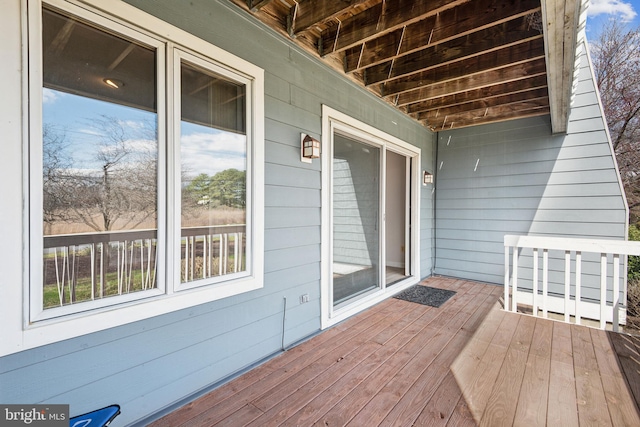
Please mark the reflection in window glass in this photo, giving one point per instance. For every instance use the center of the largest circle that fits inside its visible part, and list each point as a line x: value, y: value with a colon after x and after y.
x: 100, y: 162
x: 213, y: 151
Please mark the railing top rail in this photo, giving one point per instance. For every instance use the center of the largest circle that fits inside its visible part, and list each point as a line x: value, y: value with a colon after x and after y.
x: 213, y: 229
x: 573, y: 244
x: 59, y: 240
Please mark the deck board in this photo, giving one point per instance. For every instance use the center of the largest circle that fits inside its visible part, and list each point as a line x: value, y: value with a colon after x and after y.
x: 466, y: 363
x: 534, y: 394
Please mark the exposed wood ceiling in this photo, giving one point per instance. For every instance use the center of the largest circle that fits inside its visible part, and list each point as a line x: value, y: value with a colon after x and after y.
x: 446, y: 63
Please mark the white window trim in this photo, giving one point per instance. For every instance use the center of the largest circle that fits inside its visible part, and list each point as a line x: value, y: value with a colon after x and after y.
x: 335, y: 120
x: 181, y: 54
x: 18, y: 332
x: 36, y: 311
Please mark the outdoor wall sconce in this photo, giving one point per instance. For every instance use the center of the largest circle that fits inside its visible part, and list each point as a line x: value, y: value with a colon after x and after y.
x: 309, y: 148
x: 427, y: 178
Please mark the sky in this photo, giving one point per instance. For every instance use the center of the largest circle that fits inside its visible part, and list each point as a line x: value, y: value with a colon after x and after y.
x: 203, y: 149
x: 600, y: 11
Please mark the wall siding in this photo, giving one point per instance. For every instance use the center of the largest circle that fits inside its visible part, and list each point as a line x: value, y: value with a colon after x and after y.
x: 152, y: 364
x: 518, y: 178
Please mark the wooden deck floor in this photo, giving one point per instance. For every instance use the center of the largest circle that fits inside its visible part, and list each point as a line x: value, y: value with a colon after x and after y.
x: 404, y: 364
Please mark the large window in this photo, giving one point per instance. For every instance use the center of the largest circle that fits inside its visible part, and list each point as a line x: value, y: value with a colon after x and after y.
x: 145, y: 165
x: 99, y: 163
x: 213, y: 153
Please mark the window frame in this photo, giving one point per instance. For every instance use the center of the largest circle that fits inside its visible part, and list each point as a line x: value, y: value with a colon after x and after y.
x: 181, y: 55
x: 37, y: 312
x: 38, y: 329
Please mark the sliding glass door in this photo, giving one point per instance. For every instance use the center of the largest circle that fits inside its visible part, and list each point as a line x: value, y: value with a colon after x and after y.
x: 370, y: 216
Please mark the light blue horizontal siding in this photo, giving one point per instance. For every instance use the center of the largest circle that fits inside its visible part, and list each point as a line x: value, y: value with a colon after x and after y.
x: 149, y: 365
x: 517, y: 178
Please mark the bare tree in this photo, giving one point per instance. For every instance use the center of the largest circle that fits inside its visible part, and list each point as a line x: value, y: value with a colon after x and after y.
x: 122, y: 193
x: 616, y: 59
x: 55, y: 176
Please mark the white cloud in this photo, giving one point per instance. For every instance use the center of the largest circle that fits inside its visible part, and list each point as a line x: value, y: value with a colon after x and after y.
x: 49, y: 96
x: 612, y: 7
x: 141, y: 145
x: 213, y: 152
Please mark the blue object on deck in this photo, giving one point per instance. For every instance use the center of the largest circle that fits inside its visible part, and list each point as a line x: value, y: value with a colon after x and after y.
x: 98, y: 418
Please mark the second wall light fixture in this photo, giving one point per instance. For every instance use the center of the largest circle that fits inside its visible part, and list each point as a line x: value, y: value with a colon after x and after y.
x: 309, y: 148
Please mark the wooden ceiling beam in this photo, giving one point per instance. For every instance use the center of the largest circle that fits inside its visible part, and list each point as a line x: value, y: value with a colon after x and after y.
x: 456, y: 99
x: 61, y: 39
x: 538, y: 95
x: 526, y: 52
x: 560, y: 18
x: 451, y: 24
x: 255, y: 5
x: 493, y: 115
x: 504, y: 36
x: 380, y: 19
x: 471, y: 61
x: 308, y: 13
x: 509, y: 73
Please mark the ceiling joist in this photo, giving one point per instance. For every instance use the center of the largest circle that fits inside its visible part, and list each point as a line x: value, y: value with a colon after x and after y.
x: 471, y: 61
x: 382, y: 18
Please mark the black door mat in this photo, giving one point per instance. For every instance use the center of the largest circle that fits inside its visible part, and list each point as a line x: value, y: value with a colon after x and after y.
x: 426, y: 295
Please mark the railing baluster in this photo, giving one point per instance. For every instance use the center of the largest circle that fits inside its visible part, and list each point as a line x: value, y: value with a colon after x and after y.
x: 118, y: 270
x: 130, y: 267
x: 506, y: 276
x: 545, y: 281
x: 92, y: 253
x: 535, y: 282
x: 186, y: 258
x: 219, y: 254
x: 578, y: 286
x: 240, y: 250
x: 142, y: 279
x: 72, y: 282
x: 514, y: 293
x: 616, y: 292
x: 155, y: 263
x: 236, y: 247
x: 567, y: 285
x: 65, y: 273
x: 193, y: 257
x: 225, y: 237
x: 147, y: 283
x: 103, y: 258
x: 55, y: 258
x: 210, y: 242
x: 204, y: 257
x: 603, y: 289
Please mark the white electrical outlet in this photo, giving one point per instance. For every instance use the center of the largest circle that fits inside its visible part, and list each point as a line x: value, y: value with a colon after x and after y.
x: 304, y: 298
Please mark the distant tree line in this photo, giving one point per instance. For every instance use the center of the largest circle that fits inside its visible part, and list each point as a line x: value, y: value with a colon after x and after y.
x: 226, y: 188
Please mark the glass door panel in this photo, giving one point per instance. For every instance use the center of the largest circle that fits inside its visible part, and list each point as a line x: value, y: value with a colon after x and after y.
x: 356, y: 216
x: 396, y: 218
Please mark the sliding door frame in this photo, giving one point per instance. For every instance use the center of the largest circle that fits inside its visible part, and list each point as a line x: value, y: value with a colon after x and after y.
x: 334, y: 121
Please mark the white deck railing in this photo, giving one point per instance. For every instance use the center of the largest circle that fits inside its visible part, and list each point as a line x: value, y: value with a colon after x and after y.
x: 574, y: 249
x: 89, y: 266
x: 219, y: 249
